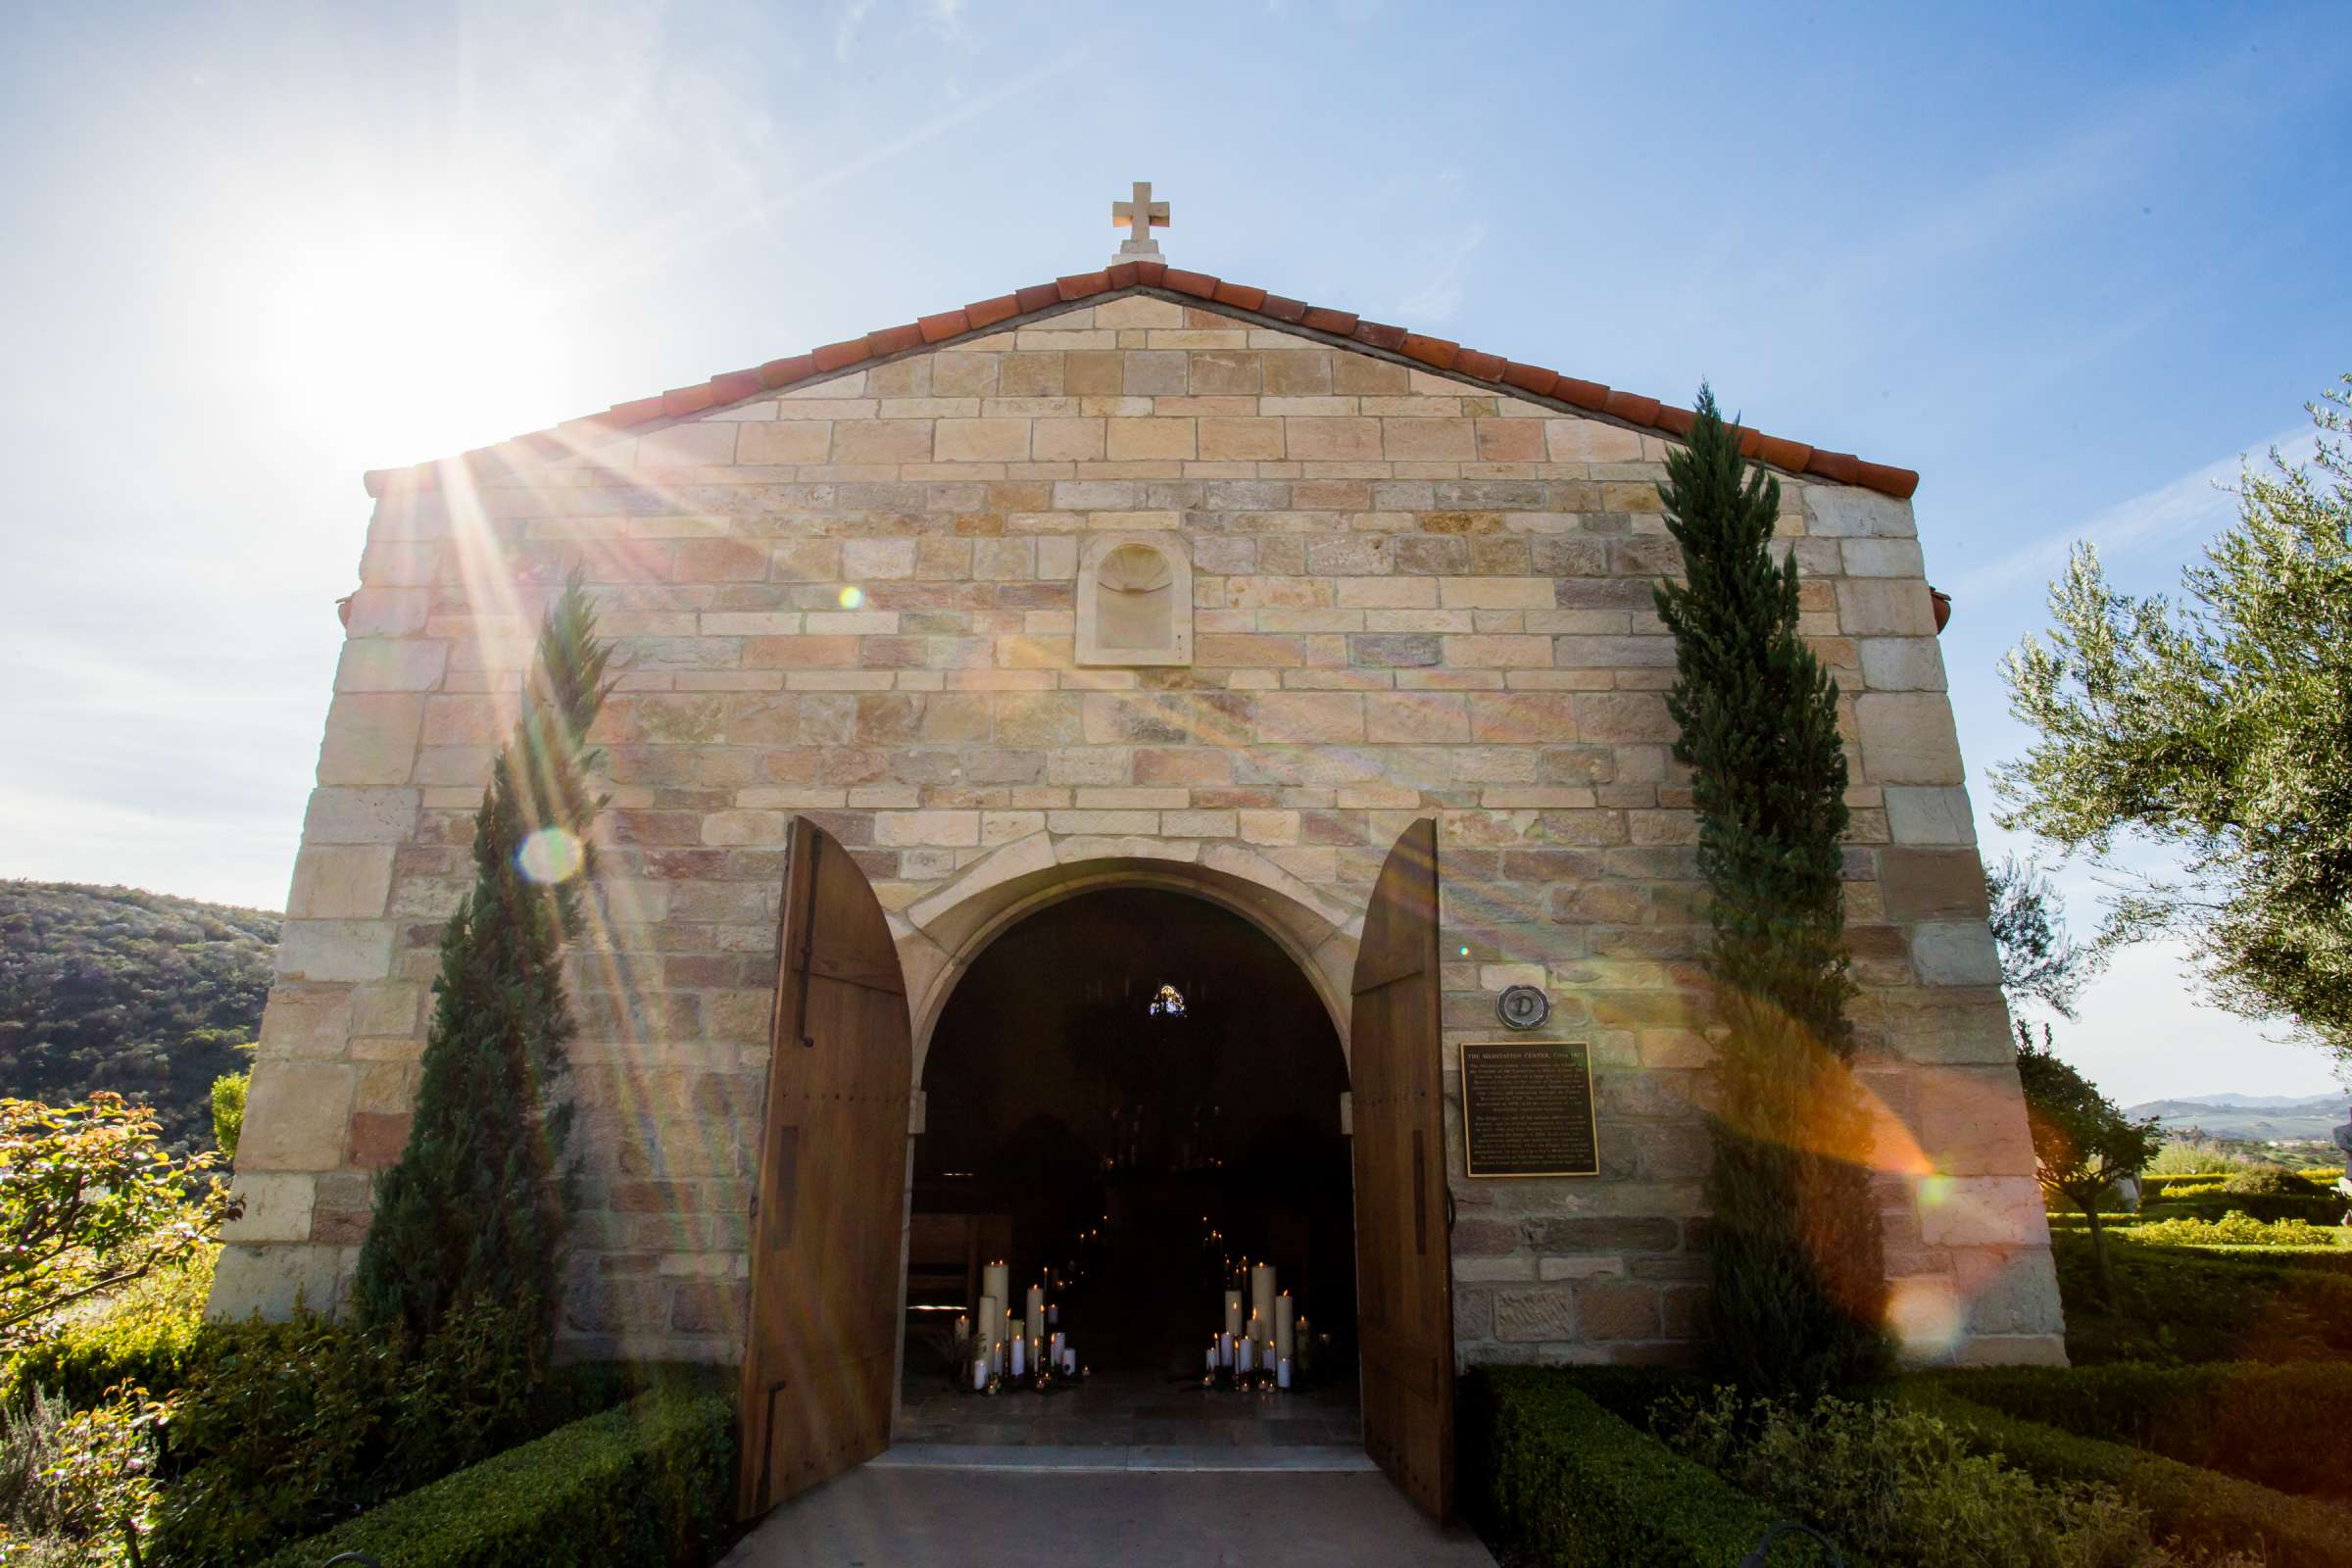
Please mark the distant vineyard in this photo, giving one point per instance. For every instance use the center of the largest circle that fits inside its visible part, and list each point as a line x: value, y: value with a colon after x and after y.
x: 140, y: 993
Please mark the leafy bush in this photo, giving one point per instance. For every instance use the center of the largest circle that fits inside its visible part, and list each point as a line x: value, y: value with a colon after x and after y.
x: 146, y: 1337
x: 230, y: 1092
x: 2236, y: 1228
x: 2181, y: 1158
x: 645, y: 1484
x: 75, y: 1484
x: 287, y: 1429
x: 1572, y: 1486
x: 2174, y: 1305
x: 2269, y: 1181
x: 2200, y: 1509
x: 91, y: 1203
x: 1899, y: 1487
x: 2244, y: 1419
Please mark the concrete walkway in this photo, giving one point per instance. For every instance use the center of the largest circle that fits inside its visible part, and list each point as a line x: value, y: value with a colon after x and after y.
x: 881, y: 1516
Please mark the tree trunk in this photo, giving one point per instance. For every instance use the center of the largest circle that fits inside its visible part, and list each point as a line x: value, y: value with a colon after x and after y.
x: 2098, y: 1254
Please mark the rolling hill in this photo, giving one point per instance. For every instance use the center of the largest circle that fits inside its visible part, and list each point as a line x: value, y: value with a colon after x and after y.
x: 2256, y: 1118
x: 141, y: 993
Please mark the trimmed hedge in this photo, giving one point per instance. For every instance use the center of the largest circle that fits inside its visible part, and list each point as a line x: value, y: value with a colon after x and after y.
x: 2246, y: 1419
x: 645, y: 1484
x: 2175, y: 1305
x: 2205, y: 1509
x: 1545, y: 1467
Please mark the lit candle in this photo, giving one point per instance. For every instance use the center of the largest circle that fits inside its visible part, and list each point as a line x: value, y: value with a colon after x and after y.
x: 1241, y: 1351
x: 1055, y: 1344
x: 1233, y: 1314
x: 979, y: 1373
x: 1209, y: 1362
x: 1036, y: 1308
x: 993, y: 1281
x: 1054, y: 1314
x: 1285, y: 1332
x: 992, y: 1319
x: 1261, y: 1301
x: 1225, y: 1350
x: 1020, y: 1347
x: 995, y: 1359
x: 1281, y: 1375
x: 963, y: 1328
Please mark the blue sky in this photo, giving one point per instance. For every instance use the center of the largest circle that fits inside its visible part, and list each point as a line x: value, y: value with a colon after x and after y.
x: 2068, y: 262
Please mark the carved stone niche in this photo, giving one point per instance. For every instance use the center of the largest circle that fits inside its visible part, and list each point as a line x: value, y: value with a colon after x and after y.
x: 1135, y: 599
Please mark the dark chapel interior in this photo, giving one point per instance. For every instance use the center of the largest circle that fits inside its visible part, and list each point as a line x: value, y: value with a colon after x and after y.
x: 1138, y: 1091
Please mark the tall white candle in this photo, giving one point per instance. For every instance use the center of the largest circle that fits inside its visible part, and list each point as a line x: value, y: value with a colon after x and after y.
x: 995, y: 1359
x: 1225, y: 1350
x: 992, y: 1319
x: 1241, y: 1351
x: 1020, y: 1352
x: 1233, y: 1314
x: 1286, y: 1336
x: 1261, y: 1298
x: 1037, y: 1310
x: 993, y: 1281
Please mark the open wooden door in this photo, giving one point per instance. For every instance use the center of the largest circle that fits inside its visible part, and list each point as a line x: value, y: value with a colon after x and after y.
x: 1403, y: 1257
x: 822, y: 1351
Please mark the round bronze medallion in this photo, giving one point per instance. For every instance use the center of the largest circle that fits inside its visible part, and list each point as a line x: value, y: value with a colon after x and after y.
x: 1523, y: 1008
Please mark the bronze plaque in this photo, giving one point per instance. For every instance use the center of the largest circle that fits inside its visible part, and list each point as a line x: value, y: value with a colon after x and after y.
x: 1527, y: 1108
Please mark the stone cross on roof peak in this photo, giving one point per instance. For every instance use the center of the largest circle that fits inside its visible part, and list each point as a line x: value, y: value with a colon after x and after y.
x: 1141, y: 215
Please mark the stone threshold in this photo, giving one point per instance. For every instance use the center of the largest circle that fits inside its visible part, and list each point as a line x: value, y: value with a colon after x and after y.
x: 1142, y: 1456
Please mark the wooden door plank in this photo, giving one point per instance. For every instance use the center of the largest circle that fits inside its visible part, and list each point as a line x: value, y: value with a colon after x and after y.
x: 820, y: 1352
x: 1404, y: 1284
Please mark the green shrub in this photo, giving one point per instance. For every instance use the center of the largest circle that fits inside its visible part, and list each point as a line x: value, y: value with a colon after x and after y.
x: 2269, y: 1181
x: 1898, y: 1488
x: 2319, y: 1208
x: 2174, y: 1305
x: 228, y: 1109
x: 645, y: 1485
x: 2242, y: 1418
x: 146, y: 1337
x: 74, y: 1485
x: 1572, y: 1486
x: 2181, y: 1158
x: 2235, y: 1227
x: 287, y: 1428
x: 2201, y: 1509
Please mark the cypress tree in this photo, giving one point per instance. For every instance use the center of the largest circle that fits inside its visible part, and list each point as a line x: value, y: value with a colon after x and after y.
x: 473, y: 1214
x: 1796, y: 1258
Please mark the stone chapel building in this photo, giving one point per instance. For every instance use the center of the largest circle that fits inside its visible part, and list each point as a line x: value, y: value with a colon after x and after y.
x: 1138, y: 577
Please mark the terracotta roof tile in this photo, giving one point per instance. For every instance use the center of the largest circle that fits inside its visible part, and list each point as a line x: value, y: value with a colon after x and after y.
x: 985, y: 313
x: 1528, y: 378
x: 947, y: 325
x: 1485, y: 367
x: 1256, y: 304
x: 840, y: 356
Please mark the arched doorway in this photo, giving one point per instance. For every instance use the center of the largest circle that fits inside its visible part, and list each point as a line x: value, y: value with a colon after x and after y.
x: 1130, y: 1093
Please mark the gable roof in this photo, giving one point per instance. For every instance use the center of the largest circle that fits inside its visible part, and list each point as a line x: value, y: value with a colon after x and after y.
x: 1341, y: 328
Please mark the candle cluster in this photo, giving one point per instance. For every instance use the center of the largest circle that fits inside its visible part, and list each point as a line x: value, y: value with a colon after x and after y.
x: 1262, y: 1349
x: 1032, y: 1346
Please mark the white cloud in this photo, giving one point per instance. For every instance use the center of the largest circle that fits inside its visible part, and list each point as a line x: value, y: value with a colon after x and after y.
x: 2197, y: 504
x: 845, y: 31
x: 1441, y: 293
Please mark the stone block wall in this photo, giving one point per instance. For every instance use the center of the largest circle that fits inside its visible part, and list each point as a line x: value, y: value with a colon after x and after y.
x: 1411, y: 594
